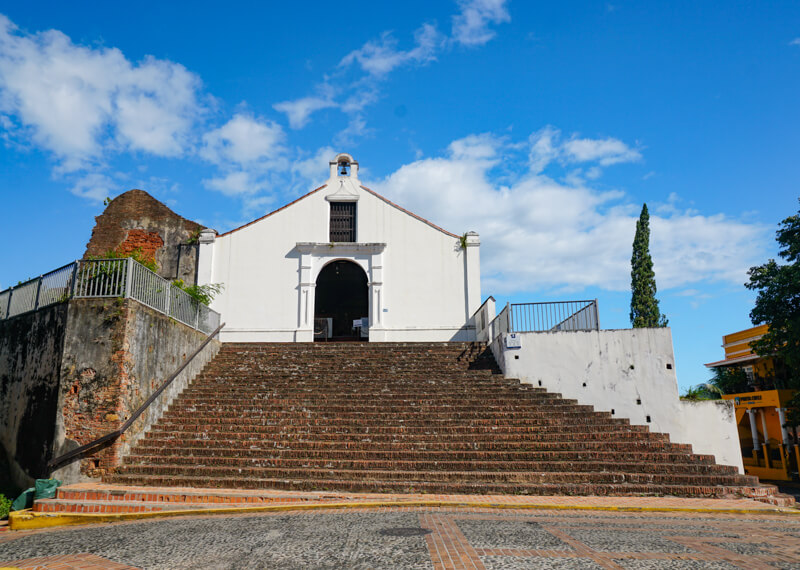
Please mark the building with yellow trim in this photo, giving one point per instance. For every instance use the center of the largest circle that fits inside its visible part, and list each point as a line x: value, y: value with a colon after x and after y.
x: 769, y: 447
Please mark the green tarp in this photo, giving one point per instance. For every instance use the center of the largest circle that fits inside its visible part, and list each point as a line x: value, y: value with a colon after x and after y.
x: 42, y: 489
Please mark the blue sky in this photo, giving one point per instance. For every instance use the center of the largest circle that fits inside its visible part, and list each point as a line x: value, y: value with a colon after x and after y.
x: 543, y: 126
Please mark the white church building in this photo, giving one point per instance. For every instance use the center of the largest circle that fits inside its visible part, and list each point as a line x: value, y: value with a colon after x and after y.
x: 343, y: 262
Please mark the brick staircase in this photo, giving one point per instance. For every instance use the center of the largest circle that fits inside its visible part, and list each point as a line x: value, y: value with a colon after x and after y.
x: 404, y: 418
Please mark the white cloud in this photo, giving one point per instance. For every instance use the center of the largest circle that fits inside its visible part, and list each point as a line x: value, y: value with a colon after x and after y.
x: 471, y: 25
x: 311, y: 172
x: 795, y: 42
x: 299, y: 111
x: 233, y: 184
x: 78, y: 102
x: 249, y: 151
x: 379, y: 57
x: 95, y: 186
x: 244, y: 140
x: 546, y: 147
x: 605, y: 151
x: 541, y: 234
x: 356, y: 128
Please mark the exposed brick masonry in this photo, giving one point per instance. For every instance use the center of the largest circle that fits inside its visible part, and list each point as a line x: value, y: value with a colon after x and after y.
x: 137, y: 220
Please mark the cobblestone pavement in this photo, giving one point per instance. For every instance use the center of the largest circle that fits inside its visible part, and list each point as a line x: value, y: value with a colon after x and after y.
x: 419, y: 538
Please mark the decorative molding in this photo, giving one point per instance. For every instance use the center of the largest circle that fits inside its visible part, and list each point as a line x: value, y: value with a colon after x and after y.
x: 339, y: 248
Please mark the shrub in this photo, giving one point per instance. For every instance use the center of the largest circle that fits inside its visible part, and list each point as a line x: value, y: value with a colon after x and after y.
x: 5, y: 506
x: 136, y: 254
x: 201, y: 293
x: 701, y: 392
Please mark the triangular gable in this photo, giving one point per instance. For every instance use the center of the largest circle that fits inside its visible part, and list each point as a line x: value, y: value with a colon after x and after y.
x: 382, y: 198
x: 274, y: 211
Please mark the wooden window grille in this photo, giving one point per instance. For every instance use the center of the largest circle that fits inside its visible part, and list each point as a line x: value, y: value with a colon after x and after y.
x: 343, y: 222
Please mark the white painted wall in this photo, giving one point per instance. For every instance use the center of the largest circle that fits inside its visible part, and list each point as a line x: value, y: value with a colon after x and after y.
x: 423, y: 285
x: 625, y: 371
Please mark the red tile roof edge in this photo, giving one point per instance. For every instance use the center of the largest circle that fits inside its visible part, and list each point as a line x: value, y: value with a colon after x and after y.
x: 412, y: 214
x: 273, y: 212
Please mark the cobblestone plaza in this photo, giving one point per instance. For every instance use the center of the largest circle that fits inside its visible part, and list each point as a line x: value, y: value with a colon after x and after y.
x: 420, y: 538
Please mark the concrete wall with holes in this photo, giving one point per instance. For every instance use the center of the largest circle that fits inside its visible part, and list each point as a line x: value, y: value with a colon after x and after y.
x: 628, y: 372
x: 424, y: 283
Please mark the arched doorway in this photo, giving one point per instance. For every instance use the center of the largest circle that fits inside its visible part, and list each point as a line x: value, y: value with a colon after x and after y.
x: 340, y: 297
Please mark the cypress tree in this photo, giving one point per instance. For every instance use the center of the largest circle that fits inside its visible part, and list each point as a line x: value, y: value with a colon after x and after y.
x: 644, y: 305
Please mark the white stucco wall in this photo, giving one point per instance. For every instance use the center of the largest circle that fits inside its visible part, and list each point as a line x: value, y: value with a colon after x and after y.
x: 423, y: 285
x: 631, y: 372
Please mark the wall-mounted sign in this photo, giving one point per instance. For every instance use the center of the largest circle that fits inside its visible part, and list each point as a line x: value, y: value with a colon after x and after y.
x: 513, y: 340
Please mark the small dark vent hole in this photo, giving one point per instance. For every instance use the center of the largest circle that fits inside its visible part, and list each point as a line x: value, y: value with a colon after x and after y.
x: 669, y: 366
x: 516, y: 357
x: 612, y: 411
x: 584, y: 384
x: 540, y: 382
x: 638, y: 401
x: 648, y: 419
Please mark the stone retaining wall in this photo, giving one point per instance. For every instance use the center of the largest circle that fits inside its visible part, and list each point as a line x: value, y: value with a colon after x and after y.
x: 73, y: 372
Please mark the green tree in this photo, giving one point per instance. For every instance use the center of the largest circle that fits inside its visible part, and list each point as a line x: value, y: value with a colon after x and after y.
x: 778, y: 304
x: 644, y: 305
x: 730, y: 380
x: 778, y: 300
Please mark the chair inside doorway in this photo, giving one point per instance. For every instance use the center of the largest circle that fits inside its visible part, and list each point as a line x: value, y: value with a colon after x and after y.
x: 341, y: 303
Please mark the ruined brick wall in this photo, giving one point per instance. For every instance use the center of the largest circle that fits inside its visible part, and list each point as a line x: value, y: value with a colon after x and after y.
x: 136, y: 220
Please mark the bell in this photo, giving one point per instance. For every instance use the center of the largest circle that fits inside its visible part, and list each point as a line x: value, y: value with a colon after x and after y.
x: 343, y: 169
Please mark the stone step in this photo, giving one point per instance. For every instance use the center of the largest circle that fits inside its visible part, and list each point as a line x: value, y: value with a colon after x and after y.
x: 391, y: 415
x: 464, y: 431
x: 105, y: 507
x: 471, y: 464
x: 195, y: 450
x: 401, y: 417
x: 492, y: 477
x: 527, y: 441
x: 476, y: 488
x: 301, y: 390
x: 275, y: 404
x: 180, y: 495
x: 397, y: 421
x: 406, y: 446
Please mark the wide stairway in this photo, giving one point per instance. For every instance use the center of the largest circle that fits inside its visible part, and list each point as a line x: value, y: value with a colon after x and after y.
x: 402, y: 418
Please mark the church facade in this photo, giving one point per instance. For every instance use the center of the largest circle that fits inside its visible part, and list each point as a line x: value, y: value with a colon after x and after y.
x: 342, y: 262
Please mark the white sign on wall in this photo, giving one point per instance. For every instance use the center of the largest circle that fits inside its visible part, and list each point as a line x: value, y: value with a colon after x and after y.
x: 513, y: 340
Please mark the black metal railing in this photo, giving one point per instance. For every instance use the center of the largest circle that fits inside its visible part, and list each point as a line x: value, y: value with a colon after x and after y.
x: 554, y: 316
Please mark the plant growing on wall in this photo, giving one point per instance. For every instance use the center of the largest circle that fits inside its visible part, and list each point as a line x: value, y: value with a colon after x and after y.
x: 136, y: 255
x: 201, y: 293
x: 644, y: 305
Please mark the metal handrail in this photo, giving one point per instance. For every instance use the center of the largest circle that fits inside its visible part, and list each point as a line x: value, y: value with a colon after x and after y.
x: 107, y: 278
x: 555, y: 316
x: 139, y: 411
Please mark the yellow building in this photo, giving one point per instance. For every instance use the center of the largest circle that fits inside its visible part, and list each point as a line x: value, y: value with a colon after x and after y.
x: 769, y: 448
x: 739, y: 354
